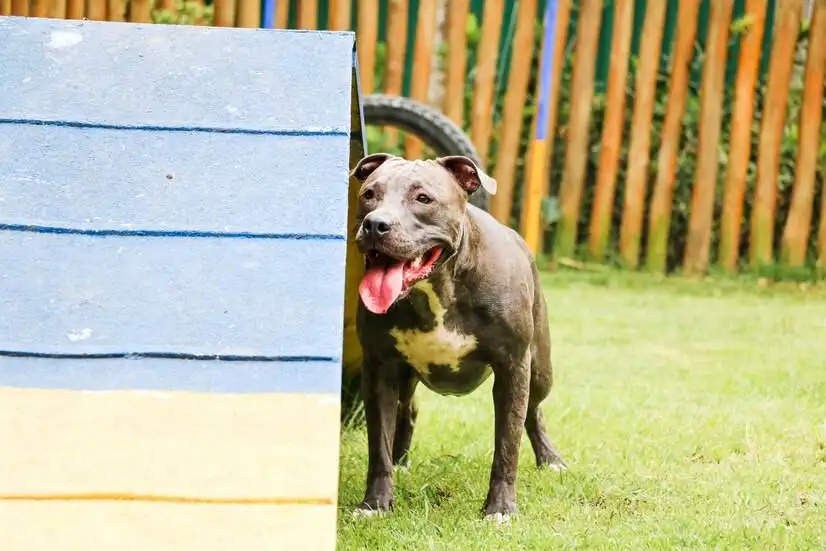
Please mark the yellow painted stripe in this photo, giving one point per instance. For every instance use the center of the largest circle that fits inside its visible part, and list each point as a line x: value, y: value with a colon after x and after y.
x: 168, y: 499
x: 140, y: 526
x: 202, y: 447
x: 532, y: 224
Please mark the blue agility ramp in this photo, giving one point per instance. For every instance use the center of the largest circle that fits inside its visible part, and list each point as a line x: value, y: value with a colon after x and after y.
x: 173, y: 233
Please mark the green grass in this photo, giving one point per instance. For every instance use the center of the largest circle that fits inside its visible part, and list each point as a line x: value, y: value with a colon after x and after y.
x: 692, y: 416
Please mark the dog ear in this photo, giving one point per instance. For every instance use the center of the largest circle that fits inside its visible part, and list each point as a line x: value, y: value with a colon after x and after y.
x: 467, y: 174
x: 367, y: 165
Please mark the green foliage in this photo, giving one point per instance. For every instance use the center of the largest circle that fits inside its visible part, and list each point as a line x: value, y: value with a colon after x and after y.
x: 686, y: 162
x: 187, y: 13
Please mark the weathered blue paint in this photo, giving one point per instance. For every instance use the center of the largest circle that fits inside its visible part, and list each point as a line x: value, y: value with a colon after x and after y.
x: 120, y: 179
x: 174, y: 206
x: 179, y: 76
x: 164, y: 374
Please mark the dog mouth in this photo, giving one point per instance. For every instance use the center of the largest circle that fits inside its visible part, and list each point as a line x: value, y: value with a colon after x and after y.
x: 386, y: 278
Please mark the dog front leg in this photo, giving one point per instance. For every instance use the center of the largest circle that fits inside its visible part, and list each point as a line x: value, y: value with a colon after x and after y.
x: 380, y: 387
x: 510, y: 402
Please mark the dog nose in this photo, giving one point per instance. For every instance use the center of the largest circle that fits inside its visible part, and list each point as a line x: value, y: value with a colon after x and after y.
x: 377, y: 226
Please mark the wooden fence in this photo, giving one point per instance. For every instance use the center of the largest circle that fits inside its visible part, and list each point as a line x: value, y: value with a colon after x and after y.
x: 634, y: 174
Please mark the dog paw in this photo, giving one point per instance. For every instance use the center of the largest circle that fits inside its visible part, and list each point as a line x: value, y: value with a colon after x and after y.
x: 366, y: 513
x: 498, y: 518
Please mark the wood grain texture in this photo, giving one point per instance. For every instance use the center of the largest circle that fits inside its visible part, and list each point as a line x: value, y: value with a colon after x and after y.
x: 536, y: 189
x: 761, y: 238
x: 366, y: 37
x: 696, y: 257
x: 422, y: 60
x: 636, y: 179
x: 501, y: 204
x: 659, y: 218
x: 169, y: 444
x: 741, y: 133
x: 137, y: 526
x: 456, y: 62
x: 481, y: 122
x: 612, y: 130
x: 339, y: 15
x: 796, y: 232
x: 576, y: 156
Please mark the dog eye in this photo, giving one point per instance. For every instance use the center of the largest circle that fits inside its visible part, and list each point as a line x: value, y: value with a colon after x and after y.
x: 368, y: 194
x: 422, y: 198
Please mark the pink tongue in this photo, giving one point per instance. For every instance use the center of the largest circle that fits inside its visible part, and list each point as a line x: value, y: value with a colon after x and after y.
x: 381, y: 286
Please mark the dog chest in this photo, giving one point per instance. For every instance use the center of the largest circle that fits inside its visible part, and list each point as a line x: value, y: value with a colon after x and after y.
x: 437, y: 352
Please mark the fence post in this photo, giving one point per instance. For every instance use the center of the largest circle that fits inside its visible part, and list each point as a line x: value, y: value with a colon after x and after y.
x: 740, y: 145
x: 454, y: 102
x: 396, y: 54
x: 659, y: 217
x: 771, y: 133
x: 483, y: 100
x: 798, y: 223
x: 612, y: 131
x: 517, y: 90
x: 636, y: 178
x: 307, y: 14
x: 422, y: 54
x: 140, y: 11
x: 711, y: 114
x: 339, y: 16
x: 576, y: 155
x: 366, y: 38
x: 538, y: 186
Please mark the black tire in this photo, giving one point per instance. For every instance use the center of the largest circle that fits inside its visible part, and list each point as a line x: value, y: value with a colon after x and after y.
x: 430, y: 125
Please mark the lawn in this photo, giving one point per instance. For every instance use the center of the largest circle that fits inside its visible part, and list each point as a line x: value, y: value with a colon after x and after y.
x: 692, y: 416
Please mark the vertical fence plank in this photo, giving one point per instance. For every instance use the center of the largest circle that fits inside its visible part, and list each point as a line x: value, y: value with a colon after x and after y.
x: 224, y: 13
x: 537, y: 190
x: 740, y: 145
x: 422, y: 60
x: 40, y: 8
x: 339, y: 16
x: 576, y: 155
x: 659, y: 219
x: 761, y: 236
x: 249, y: 14
x: 307, y: 16
x: 5, y: 7
x: 636, y: 178
x: 517, y: 91
x: 140, y: 11
x: 612, y: 130
x: 96, y: 10
x: 366, y: 38
x: 57, y: 10
x: 711, y: 115
x: 482, y: 116
x: 75, y: 9
x: 20, y: 7
x: 457, y: 16
x: 396, y: 54
x: 798, y: 224
x: 282, y: 14
x: 170, y: 6
x: 821, y: 234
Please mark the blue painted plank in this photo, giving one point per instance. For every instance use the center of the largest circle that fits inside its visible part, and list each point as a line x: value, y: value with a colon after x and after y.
x: 99, y: 179
x: 246, y: 297
x: 172, y: 375
x: 178, y: 76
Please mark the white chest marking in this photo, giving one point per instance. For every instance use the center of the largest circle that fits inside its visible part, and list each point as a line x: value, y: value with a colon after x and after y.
x: 439, y: 346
